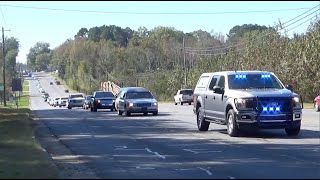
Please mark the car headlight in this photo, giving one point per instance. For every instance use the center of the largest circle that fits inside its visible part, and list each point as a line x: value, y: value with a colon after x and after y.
x: 131, y: 104
x: 113, y: 101
x: 155, y: 103
x: 98, y: 101
x: 296, y: 102
x: 244, y: 103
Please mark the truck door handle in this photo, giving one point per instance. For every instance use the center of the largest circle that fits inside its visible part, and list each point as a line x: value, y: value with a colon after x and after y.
x: 214, y: 97
x: 206, y: 96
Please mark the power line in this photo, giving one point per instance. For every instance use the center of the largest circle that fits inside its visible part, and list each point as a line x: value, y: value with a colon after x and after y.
x: 3, y: 17
x: 301, y: 14
x: 156, y: 13
x: 246, y: 41
x: 238, y: 50
x: 302, y: 23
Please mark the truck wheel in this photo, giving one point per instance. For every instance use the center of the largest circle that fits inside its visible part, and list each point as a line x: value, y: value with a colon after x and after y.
x: 189, y: 103
x: 293, y: 131
x: 175, y: 103
x: 202, y: 124
x: 232, y: 127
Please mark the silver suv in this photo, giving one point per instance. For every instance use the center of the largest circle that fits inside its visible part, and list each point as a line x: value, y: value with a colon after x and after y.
x: 246, y: 99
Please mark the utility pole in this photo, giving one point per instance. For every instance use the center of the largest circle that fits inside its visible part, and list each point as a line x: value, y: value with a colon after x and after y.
x: 4, y: 70
x: 184, y: 63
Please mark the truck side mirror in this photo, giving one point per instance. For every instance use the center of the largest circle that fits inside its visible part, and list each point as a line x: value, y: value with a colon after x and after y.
x: 289, y: 86
x: 218, y: 89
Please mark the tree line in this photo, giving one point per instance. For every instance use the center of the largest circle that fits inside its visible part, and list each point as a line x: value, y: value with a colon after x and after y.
x: 156, y: 58
x: 11, y: 50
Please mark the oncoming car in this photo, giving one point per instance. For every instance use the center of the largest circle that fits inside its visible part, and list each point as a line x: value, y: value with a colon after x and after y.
x: 136, y: 100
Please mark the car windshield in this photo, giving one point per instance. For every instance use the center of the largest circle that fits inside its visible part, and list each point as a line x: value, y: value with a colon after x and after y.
x: 253, y: 81
x: 103, y: 94
x: 64, y: 98
x: 77, y: 96
x: 139, y: 95
x: 186, y: 92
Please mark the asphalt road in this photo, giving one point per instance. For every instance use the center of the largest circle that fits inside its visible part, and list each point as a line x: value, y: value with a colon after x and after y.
x: 170, y: 146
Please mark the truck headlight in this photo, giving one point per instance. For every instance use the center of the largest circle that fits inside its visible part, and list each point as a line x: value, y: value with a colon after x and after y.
x: 244, y: 103
x: 296, y: 102
x: 131, y: 104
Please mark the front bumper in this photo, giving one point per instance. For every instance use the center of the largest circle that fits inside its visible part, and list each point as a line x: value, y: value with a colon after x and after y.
x: 142, y: 109
x: 75, y: 104
x: 277, y: 121
x: 105, y: 106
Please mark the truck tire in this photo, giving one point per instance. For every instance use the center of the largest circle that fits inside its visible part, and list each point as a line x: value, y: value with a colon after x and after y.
x: 232, y: 127
x: 201, y: 123
x: 293, y: 131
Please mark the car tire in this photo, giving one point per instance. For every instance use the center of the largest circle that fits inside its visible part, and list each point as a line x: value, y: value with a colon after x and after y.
x: 175, y: 103
x: 232, y: 127
x: 189, y: 103
x: 128, y: 113
x: 111, y: 109
x: 95, y: 109
x: 91, y: 109
x: 202, y: 124
x: 181, y: 103
x: 145, y: 114
x: 155, y: 113
x: 69, y: 107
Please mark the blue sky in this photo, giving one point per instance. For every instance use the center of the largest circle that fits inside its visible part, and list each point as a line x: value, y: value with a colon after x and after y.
x: 32, y: 25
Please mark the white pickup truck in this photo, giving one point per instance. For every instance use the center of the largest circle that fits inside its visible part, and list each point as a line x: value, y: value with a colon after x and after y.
x: 184, y: 96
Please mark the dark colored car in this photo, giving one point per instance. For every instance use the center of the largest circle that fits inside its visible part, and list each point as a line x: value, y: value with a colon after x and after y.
x: 136, y: 100
x: 51, y: 83
x: 102, y: 100
x: 87, y: 102
x: 66, y: 91
x: 58, y: 82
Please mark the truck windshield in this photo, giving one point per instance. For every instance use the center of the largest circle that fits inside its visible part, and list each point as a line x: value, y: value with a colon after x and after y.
x: 253, y: 81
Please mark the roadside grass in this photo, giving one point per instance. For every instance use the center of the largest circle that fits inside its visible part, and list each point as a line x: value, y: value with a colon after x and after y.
x: 21, y: 156
x: 308, y: 105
